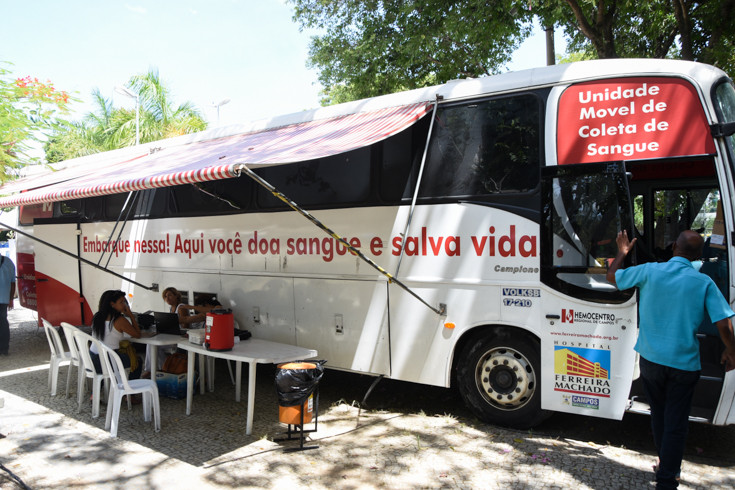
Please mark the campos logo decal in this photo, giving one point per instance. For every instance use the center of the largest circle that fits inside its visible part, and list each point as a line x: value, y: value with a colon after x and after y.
x: 582, y: 401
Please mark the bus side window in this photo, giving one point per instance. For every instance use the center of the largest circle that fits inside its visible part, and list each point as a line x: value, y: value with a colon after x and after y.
x: 400, y: 156
x: 213, y: 197
x: 327, y: 182
x: 64, y: 209
x: 484, y: 147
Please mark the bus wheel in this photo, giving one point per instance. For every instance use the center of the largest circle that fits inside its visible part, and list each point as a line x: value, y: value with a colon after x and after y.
x: 499, y: 378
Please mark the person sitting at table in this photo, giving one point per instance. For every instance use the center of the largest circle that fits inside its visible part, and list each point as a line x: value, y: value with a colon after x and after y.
x: 111, y: 324
x: 174, y: 300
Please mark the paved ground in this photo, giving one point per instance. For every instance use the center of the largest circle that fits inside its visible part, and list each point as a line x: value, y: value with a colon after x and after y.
x: 409, y: 436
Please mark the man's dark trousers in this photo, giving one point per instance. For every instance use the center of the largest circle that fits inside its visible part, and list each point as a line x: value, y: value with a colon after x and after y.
x: 669, y: 392
x: 4, y: 329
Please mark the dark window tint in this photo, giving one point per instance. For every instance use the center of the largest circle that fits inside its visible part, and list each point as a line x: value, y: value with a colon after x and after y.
x: 335, y: 180
x: 68, y: 208
x: 150, y: 203
x: 215, y: 197
x: 401, y: 156
x: 484, y: 147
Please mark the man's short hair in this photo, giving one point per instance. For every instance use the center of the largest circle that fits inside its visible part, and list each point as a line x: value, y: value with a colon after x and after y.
x: 690, y: 244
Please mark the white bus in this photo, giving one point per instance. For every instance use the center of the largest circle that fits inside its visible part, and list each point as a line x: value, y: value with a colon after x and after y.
x: 468, y: 230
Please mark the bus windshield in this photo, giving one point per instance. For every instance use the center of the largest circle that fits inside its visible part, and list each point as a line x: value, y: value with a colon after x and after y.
x: 725, y: 103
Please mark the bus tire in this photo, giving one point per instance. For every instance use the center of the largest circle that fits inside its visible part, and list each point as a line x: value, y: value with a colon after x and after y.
x: 499, y: 379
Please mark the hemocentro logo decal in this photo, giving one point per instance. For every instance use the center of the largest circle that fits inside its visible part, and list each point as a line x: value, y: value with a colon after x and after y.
x: 582, y: 371
x: 572, y: 316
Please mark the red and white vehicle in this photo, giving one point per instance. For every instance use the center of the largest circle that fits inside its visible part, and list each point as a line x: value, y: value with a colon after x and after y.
x: 490, y: 204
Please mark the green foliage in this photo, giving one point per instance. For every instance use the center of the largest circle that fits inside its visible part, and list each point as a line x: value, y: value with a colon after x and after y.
x: 573, y: 57
x: 376, y: 47
x: 368, y: 48
x: 683, y: 29
x: 29, y: 110
x: 108, y: 128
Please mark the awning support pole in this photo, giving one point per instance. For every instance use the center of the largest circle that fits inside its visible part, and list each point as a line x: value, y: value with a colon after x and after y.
x: 418, y: 185
x: 257, y: 178
x: 153, y: 287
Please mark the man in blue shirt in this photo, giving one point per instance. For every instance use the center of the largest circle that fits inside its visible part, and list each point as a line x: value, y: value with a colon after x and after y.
x: 7, y: 293
x: 674, y: 298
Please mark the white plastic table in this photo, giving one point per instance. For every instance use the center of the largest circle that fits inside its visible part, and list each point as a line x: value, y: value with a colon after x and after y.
x: 252, y: 351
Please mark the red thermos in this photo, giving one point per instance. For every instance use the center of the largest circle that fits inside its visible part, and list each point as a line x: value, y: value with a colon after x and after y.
x: 220, y: 330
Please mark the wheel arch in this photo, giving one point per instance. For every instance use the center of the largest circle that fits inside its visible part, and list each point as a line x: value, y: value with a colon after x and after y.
x: 473, y: 334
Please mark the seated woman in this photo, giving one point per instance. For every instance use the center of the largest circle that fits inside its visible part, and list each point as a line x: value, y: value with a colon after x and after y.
x: 111, y: 324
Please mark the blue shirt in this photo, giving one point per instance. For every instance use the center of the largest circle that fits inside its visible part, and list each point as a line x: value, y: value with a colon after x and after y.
x: 673, y: 300
x: 7, y: 276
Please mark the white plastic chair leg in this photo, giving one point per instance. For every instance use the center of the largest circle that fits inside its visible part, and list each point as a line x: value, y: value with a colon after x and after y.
x: 81, y: 381
x: 96, y: 394
x: 156, y: 411
x: 54, y: 367
x: 117, y: 401
x: 147, y: 407
x: 110, y: 408
x: 81, y: 391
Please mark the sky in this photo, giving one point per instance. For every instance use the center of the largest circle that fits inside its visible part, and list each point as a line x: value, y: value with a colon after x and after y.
x: 248, y: 51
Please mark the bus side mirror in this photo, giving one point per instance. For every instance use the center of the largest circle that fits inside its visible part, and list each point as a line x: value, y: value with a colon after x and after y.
x: 722, y: 130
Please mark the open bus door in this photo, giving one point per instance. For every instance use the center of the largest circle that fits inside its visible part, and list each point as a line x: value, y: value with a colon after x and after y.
x: 589, y: 328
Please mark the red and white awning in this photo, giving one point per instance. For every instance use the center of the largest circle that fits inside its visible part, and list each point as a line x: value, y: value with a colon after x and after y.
x: 218, y: 158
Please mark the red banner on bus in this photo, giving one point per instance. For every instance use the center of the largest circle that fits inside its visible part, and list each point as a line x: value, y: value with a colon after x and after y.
x: 631, y: 119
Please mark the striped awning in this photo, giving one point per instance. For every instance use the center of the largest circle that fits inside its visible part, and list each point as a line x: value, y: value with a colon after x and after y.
x: 217, y: 158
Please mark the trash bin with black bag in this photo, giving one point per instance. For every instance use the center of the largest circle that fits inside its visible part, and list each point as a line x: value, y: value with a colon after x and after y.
x: 297, y: 387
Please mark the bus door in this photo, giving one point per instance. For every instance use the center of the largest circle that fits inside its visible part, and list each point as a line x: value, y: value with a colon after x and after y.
x: 670, y: 196
x: 588, y: 327
x: 57, y: 275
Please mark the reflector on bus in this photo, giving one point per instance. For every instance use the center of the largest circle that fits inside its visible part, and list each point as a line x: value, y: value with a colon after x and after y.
x: 216, y: 159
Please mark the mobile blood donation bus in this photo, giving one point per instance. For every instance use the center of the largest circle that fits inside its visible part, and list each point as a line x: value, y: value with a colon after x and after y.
x: 452, y: 235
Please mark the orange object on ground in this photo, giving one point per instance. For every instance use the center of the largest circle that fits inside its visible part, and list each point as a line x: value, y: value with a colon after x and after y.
x: 292, y: 415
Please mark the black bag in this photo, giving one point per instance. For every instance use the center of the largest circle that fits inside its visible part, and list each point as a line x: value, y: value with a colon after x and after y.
x: 295, y: 385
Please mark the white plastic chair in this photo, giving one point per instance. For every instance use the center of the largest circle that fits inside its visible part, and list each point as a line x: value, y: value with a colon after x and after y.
x: 75, y: 359
x: 120, y: 386
x: 84, y: 341
x: 58, y: 356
